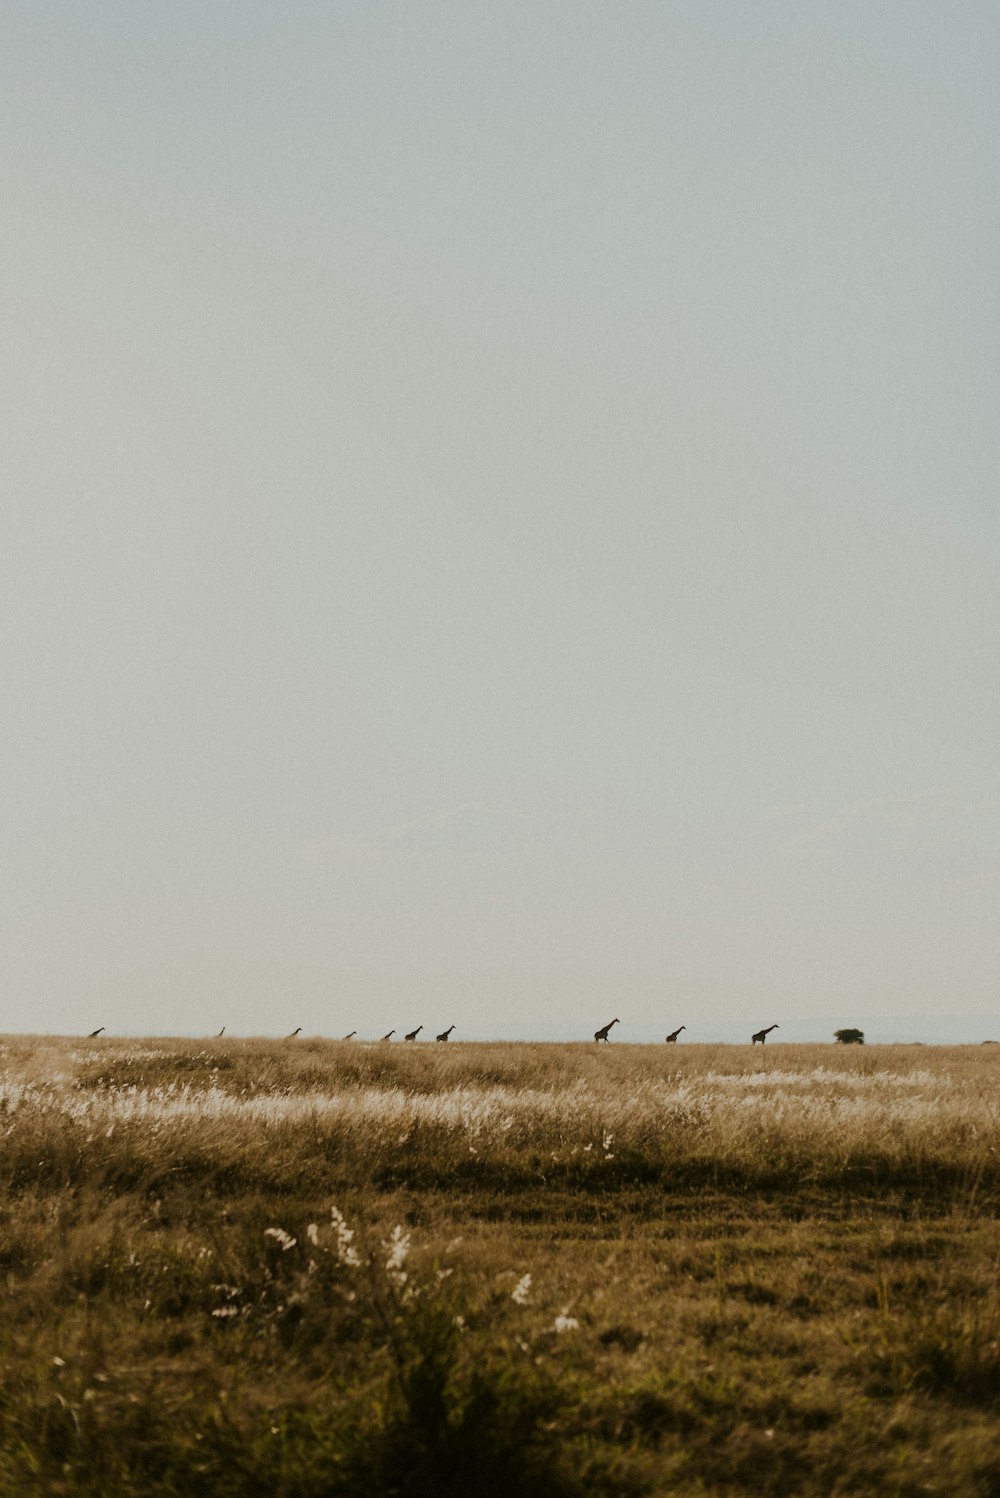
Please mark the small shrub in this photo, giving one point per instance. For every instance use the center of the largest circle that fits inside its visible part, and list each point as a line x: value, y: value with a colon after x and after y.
x: 446, y: 1433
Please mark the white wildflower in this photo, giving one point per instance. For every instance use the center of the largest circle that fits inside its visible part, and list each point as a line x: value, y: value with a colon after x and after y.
x: 226, y: 1311
x: 312, y: 1233
x: 346, y: 1252
x: 399, y: 1249
x: 460, y: 1324
x: 280, y: 1236
x: 564, y: 1323
x: 521, y: 1290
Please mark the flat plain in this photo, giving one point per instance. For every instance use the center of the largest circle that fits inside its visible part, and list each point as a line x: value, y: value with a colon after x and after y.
x: 309, y: 1268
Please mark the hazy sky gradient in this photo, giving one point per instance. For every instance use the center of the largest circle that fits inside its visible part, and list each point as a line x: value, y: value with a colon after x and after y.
x: 500, y: 517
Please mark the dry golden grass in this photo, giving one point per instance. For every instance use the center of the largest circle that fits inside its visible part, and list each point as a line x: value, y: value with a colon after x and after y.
x: 688, y: 1270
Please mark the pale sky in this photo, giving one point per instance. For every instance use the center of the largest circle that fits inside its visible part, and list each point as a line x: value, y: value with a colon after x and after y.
x: 500, y: 517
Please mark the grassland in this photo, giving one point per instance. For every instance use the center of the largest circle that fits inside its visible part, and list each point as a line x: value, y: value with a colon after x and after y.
x: 309, y: 1268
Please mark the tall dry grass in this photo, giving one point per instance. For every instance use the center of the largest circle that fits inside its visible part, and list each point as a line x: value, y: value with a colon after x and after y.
x: 310, y: 1268
x: 486, y: 1114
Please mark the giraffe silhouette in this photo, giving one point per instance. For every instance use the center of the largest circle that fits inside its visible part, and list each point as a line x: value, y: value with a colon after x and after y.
x: 602, y: 1034
x: 96, y: 1032
x: 672, y: 1037
x: 296, y: 1031
x: 351, y: 1036
x: 389, y: 1036
x: 413, y: 1033
x: 445, y: 1033
x: 762, y: 1035
x: 221, y: 1033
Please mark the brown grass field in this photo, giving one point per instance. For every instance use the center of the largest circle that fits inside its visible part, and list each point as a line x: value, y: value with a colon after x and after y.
x: 311, y: 1268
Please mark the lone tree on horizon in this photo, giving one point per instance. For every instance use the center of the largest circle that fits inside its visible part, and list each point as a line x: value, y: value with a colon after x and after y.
x: 849, y: 1037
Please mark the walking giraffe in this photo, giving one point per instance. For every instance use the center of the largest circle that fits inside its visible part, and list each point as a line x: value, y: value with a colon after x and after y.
x: 445, y: 1033
x: 389, y: 1036
x: 762, y: 1035
x: 413, y: 1033
x: 671, y: 1039
x: 602, y: 1034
